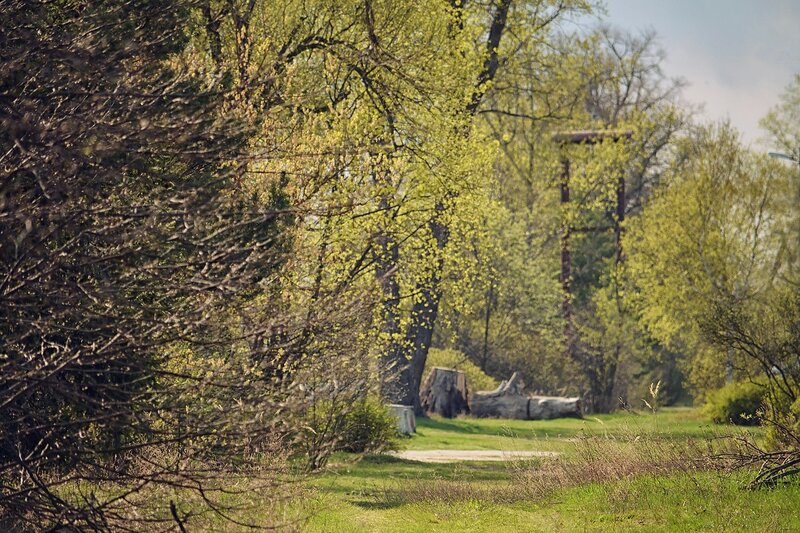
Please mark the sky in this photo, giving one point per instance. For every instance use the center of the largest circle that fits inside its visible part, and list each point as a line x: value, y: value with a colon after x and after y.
x: 737, y: 56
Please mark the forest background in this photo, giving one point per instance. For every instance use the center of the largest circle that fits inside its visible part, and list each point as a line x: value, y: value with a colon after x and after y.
x: 225, y: 223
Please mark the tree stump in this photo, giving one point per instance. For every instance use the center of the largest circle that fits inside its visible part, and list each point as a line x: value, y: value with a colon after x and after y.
x: 445, y: 393
x: 509, y: 401
x: 404, y: 415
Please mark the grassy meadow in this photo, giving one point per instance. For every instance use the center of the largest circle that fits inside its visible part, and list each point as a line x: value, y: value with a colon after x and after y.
x: 616, y: 472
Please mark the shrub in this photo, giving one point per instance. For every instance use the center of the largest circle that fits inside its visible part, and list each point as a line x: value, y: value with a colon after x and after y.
x: 738, y: 403
x: 782, y: 419
x: 477, y: 379
x: 368, y: 427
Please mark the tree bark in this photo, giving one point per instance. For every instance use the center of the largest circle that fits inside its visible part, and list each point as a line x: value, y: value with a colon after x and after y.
x: 424, y: 313
x: 510, y: 401
x: 395, y: 371
x: 445, y: 393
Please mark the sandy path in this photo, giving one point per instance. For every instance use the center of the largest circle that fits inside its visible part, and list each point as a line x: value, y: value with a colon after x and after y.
x: 451, y: 456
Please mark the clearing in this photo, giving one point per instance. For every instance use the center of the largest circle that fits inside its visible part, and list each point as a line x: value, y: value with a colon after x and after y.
x: 454, y: 456
x: 614, y: 472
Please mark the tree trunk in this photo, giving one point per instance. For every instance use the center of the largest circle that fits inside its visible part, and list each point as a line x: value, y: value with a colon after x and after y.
x: 489, y: 300
x: 395, y: 372
x: 445, y: 393
x: 425, y: 311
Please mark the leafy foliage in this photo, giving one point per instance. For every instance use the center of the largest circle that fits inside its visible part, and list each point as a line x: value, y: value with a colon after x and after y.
x: 225, y: 223
x: 738, y: 403
x: 477, y: 379
x: 146, y: 333
x: 368, y: 428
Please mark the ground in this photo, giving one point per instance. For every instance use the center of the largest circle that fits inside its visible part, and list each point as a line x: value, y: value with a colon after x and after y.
x: 615, y: 472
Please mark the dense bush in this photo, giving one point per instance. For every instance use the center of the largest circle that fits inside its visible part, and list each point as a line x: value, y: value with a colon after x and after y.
x: 368, y: 427
x: 148, y: 340
x: 738, y: 403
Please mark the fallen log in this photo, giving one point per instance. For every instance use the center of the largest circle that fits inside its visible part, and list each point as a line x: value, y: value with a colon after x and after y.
x: 510, y: 401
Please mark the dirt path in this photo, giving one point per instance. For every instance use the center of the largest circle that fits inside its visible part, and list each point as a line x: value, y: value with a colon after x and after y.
x: 452, y: 456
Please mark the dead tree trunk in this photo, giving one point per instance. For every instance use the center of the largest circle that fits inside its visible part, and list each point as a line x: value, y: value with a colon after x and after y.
x: 445, y: 393
x: 510, y: 401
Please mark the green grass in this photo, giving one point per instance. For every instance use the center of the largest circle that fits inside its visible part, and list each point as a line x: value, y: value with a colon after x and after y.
x: 480, y: 433
x: 678, y: 423
x: 703, y: 502
x: 385, y: 494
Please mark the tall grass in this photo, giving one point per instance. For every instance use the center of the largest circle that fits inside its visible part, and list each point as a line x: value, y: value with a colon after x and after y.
x: 591, y: 459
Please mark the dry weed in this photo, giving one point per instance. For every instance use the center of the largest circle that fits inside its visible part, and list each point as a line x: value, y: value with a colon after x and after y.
x: 595, y: 459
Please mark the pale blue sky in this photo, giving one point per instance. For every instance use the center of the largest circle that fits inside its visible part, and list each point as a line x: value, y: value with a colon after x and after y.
x: 736, y: 55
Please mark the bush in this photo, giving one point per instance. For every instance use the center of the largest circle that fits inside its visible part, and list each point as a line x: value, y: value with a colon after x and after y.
x: 477, y: 379
x: 368, y: 427
x: 782, y: 419
x: 738, y: 403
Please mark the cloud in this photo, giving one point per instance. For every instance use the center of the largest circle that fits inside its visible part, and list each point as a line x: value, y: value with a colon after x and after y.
x: 741, y: 89
x: 737, y: 56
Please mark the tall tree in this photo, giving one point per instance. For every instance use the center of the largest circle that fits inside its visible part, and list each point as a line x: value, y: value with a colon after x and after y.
x: 530, y: 23
x: 607, y: 80
x: 709, y: 244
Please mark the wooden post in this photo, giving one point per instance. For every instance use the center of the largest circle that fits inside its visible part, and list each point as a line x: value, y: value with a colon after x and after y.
x: 620, y: 218
x: 588, y: 138
x: 566, y: 265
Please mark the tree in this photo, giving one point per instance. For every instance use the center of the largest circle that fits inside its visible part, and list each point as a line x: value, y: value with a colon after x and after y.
x: 531, y: 22
x: 607, y: 80
x: 144, y: 336
x: 781, y: 121
x: 708, y: 251
x: 783, y: 134
x: 397, y: 145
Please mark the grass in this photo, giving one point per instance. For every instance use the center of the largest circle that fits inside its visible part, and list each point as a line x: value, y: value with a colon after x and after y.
x: 705, y: 502
x: 546, y: 435
x: 603, y: 482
